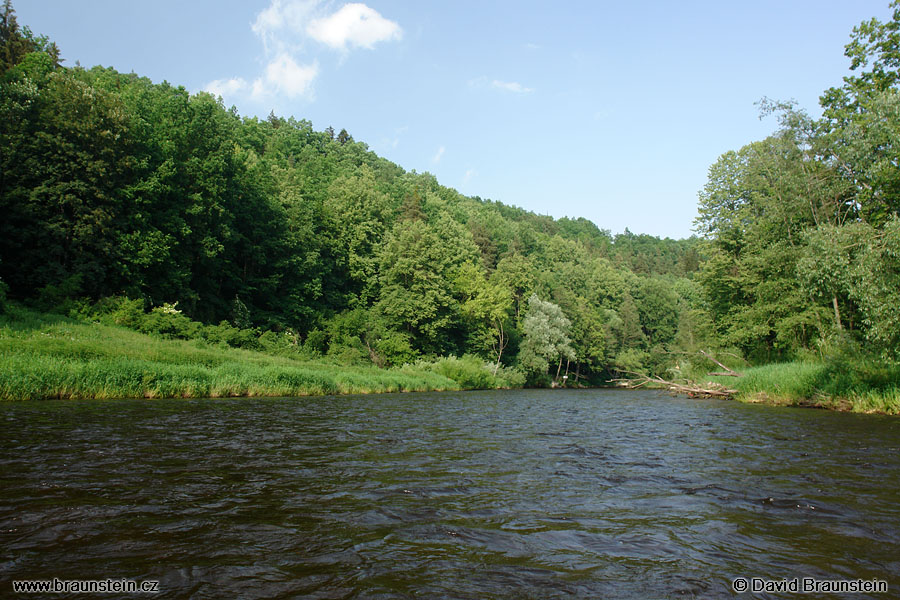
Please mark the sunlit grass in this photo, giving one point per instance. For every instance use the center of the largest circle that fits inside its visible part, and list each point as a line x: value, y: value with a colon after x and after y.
x: 46, y: 356
x: 863, y: 385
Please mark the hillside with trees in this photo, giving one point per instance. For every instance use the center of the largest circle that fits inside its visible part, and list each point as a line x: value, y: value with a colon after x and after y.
x: 116, y: 186
x: 117, y: 191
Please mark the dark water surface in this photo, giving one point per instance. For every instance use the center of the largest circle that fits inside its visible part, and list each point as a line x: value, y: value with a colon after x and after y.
x: 520, y: 494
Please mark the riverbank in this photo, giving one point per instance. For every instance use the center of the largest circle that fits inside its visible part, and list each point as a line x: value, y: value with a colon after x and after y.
x: 858, y: 386
x: 48, y: 356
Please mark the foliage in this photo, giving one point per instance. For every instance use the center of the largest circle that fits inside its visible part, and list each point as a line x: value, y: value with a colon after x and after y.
x: 470, y: 372
x: 50, y: 356
x: 546, y: 337
x: 861, y: 384
x: 144, y: 206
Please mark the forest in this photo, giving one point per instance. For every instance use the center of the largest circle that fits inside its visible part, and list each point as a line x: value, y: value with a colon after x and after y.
x: 141, y: 205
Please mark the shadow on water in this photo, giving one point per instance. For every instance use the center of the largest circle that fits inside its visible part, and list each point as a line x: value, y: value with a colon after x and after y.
x: 467, y: 495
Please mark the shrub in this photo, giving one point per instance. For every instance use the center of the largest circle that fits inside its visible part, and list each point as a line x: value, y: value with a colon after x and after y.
x: 168, y: 322
x: 470, y: 372
x: 226, y: 333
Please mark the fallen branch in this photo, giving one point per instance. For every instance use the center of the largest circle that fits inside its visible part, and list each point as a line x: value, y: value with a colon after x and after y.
x: 691, y: 389
x: 729, y: 372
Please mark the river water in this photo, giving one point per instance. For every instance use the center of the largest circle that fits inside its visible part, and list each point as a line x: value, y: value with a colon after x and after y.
x: 513, y: 494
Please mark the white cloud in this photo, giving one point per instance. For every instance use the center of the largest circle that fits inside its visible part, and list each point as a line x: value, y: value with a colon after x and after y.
x: 397, y: 133
x: 354, y: 24
x: 270, y: 19
x: 469, y: 175
x: 438, y: 155
x: 285, y: 28
x: 511, y: 86
x: 506, y: 86
x: 283, y: 76
x: 226, y: 87
x: 278, y: 24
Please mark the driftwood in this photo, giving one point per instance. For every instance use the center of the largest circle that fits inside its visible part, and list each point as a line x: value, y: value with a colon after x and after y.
x: 691, y: 389
x: 727, y: 372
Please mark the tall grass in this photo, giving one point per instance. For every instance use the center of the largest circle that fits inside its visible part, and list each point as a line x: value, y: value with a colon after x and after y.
x: 48, y: 356
x: 860, y: 384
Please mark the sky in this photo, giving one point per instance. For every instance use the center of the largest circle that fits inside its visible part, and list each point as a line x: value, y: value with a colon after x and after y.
x: 612, y: 111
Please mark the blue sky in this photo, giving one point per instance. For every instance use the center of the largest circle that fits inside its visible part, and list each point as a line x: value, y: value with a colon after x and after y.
x: 610, y: 111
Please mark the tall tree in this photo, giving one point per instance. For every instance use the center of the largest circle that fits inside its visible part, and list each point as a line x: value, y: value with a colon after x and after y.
x: 546, y: 337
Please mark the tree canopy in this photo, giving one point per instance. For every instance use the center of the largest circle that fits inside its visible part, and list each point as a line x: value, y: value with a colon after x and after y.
x: 112, y: 185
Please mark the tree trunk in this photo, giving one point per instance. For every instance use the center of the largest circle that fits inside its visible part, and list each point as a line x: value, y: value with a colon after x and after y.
x: 837, y: 313
x: 500, y: 346
x: 730, y: 372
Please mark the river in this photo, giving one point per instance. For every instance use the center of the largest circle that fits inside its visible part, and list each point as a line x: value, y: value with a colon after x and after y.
x: 509, y: 494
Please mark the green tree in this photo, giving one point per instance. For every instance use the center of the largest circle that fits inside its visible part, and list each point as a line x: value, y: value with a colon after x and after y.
x: 66, y: 163
x: 359, y: 216
x: 545, y: 337
x: 485, y: 306
x: 517, y: 273
x: 16, y: 42
x: 416, y: 263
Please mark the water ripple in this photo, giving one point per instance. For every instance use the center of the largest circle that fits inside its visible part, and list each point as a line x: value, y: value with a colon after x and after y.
x: 531, y: 494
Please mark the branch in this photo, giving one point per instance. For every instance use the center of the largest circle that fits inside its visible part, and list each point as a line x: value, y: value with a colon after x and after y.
x: 730, y: 372
x: 693, y: 390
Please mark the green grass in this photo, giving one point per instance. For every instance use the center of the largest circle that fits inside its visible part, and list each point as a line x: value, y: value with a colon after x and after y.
x: 860, y: 385
x: 47, y: 356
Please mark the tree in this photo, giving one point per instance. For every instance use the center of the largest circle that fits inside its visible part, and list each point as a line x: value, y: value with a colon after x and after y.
x: 861, y: 118
x: 874, y: 53
x: 517, y: 273
x: 876, y: 287
x: 65, y: 167
x: 546, y: 337
x: 657, y: 306
x: 411, y: 207
x: 359, y: 215
x: 16, y: 42
x: 416, y: 264
x: 485, y: 307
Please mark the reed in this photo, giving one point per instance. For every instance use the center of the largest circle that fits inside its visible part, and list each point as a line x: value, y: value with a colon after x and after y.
x: 862, y: 384
x: 48, y: 356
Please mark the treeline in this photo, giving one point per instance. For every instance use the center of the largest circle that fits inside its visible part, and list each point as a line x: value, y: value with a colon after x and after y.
x: 802, y: 228
x: 113, y: 186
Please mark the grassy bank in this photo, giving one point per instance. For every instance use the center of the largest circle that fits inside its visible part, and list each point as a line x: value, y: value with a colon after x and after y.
x: 48, y: 356
x: 860, y: 386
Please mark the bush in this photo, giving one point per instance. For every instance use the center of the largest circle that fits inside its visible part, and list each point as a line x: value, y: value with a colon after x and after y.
x: 510, y: 377
x: 168, y: 322
x: 59, y: 298
x: 470, y: 372
x: 394, y: 348
x: 315, y: 341
x: 226, y: 333
x: 284, y: 343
